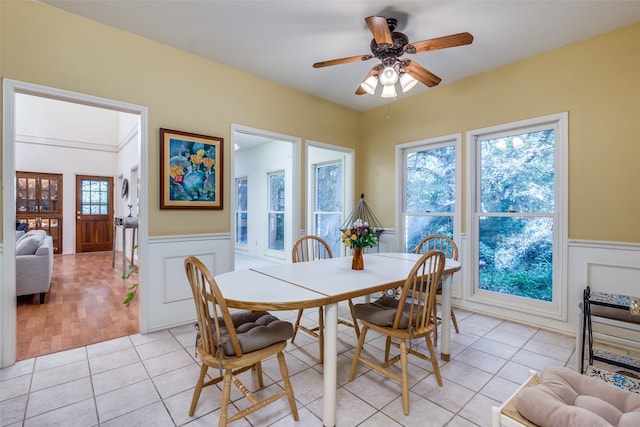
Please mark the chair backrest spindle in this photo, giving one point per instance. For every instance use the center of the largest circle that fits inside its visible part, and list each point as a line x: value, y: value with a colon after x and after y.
x: 438, y: 242
x: 419, y: 291
x: 211, y: 309
x: 310, y: 248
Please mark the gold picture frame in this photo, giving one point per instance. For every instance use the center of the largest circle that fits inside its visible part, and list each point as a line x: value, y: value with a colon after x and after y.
x: 190, y: 170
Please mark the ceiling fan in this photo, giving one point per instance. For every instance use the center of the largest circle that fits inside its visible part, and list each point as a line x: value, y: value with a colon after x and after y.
x: 388, y: 46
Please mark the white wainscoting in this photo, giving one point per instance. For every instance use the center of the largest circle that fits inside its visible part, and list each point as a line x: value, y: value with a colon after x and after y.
x: 168, y: 297
x: 605, y: 266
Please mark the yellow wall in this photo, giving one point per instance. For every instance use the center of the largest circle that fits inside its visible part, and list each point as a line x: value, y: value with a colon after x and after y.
x: 50, y: 47
x: 596, y: 81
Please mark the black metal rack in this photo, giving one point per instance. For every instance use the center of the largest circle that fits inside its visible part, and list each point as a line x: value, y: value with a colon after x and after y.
x: 612, y: 309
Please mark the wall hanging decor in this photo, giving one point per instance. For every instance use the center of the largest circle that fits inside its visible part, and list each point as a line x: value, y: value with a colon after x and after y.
x: 190, y: 170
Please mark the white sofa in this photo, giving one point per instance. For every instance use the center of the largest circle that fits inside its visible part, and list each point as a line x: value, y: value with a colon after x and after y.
x: 34, y: 263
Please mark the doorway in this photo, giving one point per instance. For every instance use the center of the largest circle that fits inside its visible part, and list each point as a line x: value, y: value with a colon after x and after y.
x: 330, y: 191
x: 94, y: 214
x: 265, y: 169
x: 11, y: 90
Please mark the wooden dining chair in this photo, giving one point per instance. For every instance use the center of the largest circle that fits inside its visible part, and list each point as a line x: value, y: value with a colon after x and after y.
x: 311, y: 248
x: 404, y: 319
x: 448, y: 246
x: 234, y: 343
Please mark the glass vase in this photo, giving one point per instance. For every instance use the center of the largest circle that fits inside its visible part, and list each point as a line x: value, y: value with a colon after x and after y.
x: 357, y: 262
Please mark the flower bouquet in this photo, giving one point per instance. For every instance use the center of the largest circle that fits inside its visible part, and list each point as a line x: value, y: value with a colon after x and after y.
x: 359, y: 236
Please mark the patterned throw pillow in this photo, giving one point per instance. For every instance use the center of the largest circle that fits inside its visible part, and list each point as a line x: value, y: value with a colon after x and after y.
x: 624, y: 382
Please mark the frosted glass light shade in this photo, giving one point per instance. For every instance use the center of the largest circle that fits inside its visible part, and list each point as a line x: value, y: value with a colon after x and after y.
x: 369, y: 85
x: 389, y: 92
x: 407, y: 82
x: 389, y: 77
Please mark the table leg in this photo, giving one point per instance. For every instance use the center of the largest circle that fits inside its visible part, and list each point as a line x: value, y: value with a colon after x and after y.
x: 133, y: 245
x: 113, y: 251
x: 330, y: 364
x: 124, y: 251
x: 445, y: 349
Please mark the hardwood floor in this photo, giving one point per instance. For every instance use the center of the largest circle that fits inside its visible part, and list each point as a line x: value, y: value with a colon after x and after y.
x: 84, y: 306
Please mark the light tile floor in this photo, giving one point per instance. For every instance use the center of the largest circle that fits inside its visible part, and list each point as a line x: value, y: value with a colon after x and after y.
x: 148, y: 380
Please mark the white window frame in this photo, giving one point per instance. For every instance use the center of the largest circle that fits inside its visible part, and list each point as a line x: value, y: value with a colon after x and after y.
x: 556, y: 309
x: 428, y: 144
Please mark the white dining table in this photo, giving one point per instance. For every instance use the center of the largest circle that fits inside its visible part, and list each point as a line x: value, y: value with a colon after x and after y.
x: 325, y: 283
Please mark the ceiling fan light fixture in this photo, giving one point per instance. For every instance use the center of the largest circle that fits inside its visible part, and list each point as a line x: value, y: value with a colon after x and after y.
x: 370, y: 84
x: 407, y: 82
x: 389, y: 92
x: 389, y: 77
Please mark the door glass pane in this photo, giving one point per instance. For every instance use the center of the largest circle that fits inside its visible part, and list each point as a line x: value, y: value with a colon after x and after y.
x: 95, y: 197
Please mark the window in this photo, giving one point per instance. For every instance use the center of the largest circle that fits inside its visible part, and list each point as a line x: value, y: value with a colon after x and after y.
x: 518, y: 209
x: 429, y: 190
x: 276, y: 211
x: 241, y: 211
x: 327, y: 215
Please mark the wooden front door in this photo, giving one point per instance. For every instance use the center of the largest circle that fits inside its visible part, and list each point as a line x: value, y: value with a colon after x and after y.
x: 94, y: 213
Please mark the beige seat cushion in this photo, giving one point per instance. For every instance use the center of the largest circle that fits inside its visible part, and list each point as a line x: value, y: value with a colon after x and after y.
x: 566, y: 398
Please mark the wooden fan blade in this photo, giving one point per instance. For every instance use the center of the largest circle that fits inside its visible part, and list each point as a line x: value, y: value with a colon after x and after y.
x: 380, y: 29
x: 421, y: 74
x: 342, y: 61
x: 361, y: 91
x: 453, y: 40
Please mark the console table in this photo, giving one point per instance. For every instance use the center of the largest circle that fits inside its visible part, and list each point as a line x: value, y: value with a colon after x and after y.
x: 620, y: 311
x: 124, y: 223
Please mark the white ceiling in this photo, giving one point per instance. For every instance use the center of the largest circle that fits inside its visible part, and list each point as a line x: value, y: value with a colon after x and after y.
x: 279, y: 40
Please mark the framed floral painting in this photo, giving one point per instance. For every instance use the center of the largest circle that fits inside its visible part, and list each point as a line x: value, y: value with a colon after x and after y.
x: 190, y: 170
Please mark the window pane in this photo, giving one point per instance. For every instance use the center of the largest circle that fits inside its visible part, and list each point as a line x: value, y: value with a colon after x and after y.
x: 276, y: 192
x: 327, y: 226
x: 517, y: 173
x: 420, y: 226
x: 329, y: 188
x: 515, y: 256
x: 241, y: 195
x: 241, y: 228
x: 430, y: 185
x: 276, y: 231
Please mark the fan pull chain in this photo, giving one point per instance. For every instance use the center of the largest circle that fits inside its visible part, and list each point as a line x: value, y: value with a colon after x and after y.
x: 388, y: 114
